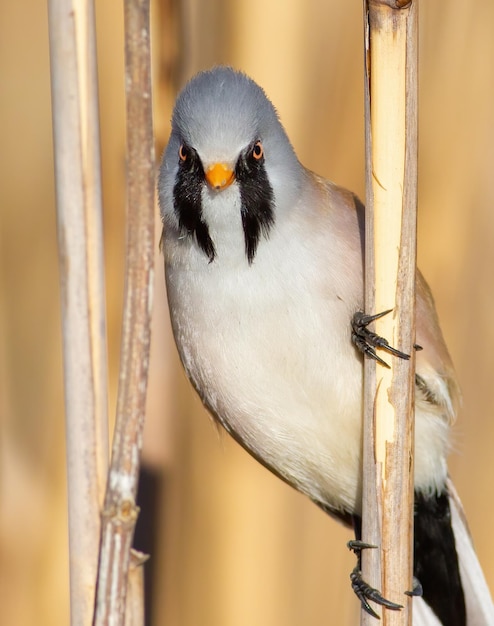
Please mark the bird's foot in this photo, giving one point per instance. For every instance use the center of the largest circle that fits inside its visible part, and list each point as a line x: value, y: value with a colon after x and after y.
x: 366, y: 341
x: 363, y: 590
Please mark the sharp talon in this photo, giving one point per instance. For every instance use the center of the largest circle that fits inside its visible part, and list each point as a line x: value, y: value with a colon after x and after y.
x: 366, y: 341
x: 362, y: 319
x: 359, y: 592
x: 417, y: 347
x: 373, y: 355
x: 365, y: 592
x: 356, y: 546
x: 417, y: 590
x: 368, y: 350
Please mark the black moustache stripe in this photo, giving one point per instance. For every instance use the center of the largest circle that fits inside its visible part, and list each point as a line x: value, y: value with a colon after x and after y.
x: 257, y: 201
x: 188, y: 203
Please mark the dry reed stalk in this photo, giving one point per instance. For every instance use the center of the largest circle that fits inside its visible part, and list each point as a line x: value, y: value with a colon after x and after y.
x: 391, y: 198
x: 120, y: 510
x: 134, y: 605
x: 80, y: 241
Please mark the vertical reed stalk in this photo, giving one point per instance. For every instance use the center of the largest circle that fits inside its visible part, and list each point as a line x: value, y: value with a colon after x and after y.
x: 120, y: 510
x: 80, y: 243
x: 390, y: 258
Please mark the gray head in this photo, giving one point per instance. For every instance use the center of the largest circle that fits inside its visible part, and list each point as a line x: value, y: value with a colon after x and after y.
x: 227, y: 147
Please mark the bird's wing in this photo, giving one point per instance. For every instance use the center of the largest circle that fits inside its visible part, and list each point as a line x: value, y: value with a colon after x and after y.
x: 433, y: 363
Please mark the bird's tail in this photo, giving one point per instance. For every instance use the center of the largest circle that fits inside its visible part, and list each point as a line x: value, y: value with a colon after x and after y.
x: 478, y: 601
x: 476, y: 604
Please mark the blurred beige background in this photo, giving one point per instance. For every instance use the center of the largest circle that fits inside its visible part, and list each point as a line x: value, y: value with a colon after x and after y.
x: 237, y: 547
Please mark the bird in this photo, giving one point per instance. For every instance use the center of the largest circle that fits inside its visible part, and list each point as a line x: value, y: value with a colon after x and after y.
x: 264, y: 279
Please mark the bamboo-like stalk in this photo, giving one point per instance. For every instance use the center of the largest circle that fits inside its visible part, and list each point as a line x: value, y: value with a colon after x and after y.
x: 120, y: 510
x: 79, y: 215
x: 134, y: 606
x: 391, y: 198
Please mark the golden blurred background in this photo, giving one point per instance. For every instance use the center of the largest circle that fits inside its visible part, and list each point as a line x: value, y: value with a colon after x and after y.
x: 232, y: 545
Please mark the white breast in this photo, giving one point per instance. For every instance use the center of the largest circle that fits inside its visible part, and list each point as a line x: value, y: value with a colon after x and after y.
x: 268, y: 348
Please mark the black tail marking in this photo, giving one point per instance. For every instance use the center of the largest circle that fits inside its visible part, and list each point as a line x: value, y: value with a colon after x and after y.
x: 436, y: 560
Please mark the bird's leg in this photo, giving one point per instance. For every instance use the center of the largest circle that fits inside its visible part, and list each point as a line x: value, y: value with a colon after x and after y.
x: 366, y: 341
x: 363, y: 590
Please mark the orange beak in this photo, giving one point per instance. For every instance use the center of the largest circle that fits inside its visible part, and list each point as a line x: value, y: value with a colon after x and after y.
x: 219, y: 176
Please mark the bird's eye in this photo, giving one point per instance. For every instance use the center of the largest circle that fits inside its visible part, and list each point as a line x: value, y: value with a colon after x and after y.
x: 183, y: 153
x: 258, y: 151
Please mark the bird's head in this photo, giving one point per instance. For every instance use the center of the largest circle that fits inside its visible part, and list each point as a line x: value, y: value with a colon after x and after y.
x: 228, y: 162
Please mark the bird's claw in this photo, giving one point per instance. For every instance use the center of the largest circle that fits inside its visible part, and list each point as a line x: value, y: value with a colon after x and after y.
x: 417, y: 589
x: 365, y: 592
x: 356, y: 546
x: 367, y: 341
x: 362, y: 589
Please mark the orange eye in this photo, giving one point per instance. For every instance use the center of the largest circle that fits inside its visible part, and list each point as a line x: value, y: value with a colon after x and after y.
x: 183, y: 153
x: 258, y: 151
